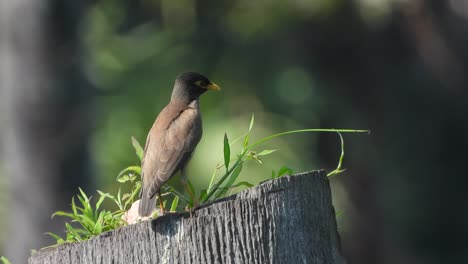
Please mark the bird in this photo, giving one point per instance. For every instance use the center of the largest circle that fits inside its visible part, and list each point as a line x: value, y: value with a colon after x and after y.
x: 172, y: 138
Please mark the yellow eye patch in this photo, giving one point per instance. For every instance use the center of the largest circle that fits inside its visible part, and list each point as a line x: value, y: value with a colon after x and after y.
x: 208, y: 86
x: 199, y: 83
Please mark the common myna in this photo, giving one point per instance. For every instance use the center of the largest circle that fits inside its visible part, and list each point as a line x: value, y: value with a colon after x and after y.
x: 173, y: 138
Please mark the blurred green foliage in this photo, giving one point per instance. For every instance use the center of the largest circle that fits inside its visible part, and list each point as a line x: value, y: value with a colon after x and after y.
x: 244, y: 46
x: 4, y: 260
x: 135, y: 64
x: 324, y: 63
x: 135, y: 50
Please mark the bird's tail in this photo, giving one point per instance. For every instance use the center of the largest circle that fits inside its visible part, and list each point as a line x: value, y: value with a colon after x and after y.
x: 146, y: 205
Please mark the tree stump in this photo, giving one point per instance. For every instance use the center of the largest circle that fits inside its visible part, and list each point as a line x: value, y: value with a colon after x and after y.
x: 286, y: 220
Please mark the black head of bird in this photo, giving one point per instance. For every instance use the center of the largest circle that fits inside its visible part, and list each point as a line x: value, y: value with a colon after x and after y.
x: 190, y: 85
x: 173, y: 138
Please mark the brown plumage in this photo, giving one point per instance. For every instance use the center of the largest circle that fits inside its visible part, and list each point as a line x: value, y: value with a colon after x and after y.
x: 173, y: 137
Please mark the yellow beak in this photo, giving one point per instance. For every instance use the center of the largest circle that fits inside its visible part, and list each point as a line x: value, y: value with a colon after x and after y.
x: 213, y: 86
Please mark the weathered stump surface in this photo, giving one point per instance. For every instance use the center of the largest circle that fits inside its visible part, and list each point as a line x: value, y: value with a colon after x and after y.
x: 287, y: 220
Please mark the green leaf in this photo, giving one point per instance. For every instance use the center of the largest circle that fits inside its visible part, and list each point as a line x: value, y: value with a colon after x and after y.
x: 242, y: 183
x: 246, y: 141
x: 126, y: 196
x: 101, y: 199
x: 4, y: 260
x: 85, y: 200
x: 138, y: 148
x: 284, y: 170
x: 74, y: 232
x: 125, y: 176
x: 73, y: 206
x: 215, y: 187
x: 252, y: 120
x: 87, y: 221
x: 62, y: 213
x: 192, y: 190
x: 97, y: 229
x: 227, y: 152
x: 135, y: 191
x: 232, y: 178
x: 174, y: 204
x: 265, y: 152
x: 56, y: 237
x: 247, y: 136
x: 203, y: 195
x: 118, y: 200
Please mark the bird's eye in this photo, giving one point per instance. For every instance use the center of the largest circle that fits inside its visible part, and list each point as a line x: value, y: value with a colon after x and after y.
x: 201, y: 83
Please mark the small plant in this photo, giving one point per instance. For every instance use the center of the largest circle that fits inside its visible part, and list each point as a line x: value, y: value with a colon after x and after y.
x: 282, y: 171
x: 4, y: 260
x: 93, y: 221
x: 87, y: 221
x: 249, y: 152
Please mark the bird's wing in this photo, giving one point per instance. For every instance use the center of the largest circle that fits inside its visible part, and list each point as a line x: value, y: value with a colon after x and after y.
x: 170, y: 142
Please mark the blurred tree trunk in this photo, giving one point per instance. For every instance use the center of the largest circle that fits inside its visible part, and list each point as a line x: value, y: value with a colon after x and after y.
x: 403, y: 82
x: 45, y: 107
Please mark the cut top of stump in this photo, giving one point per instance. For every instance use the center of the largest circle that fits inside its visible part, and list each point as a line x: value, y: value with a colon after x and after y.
x: 287, y: 220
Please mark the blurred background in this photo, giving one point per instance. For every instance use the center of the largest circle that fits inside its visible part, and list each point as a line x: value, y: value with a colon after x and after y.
x: 79, y: 78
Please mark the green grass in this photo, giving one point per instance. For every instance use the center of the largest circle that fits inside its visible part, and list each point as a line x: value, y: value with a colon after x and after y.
x: 86, y: 220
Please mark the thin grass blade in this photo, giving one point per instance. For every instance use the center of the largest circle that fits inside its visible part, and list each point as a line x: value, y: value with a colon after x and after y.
x: 227, y: 152
x: 138, y: 148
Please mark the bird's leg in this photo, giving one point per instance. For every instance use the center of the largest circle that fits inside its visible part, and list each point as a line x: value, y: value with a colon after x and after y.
x: 186, y: 187
x: 161, y: 204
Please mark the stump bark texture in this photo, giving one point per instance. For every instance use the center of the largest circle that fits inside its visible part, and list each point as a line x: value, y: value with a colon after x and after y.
x: 287, y: 220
